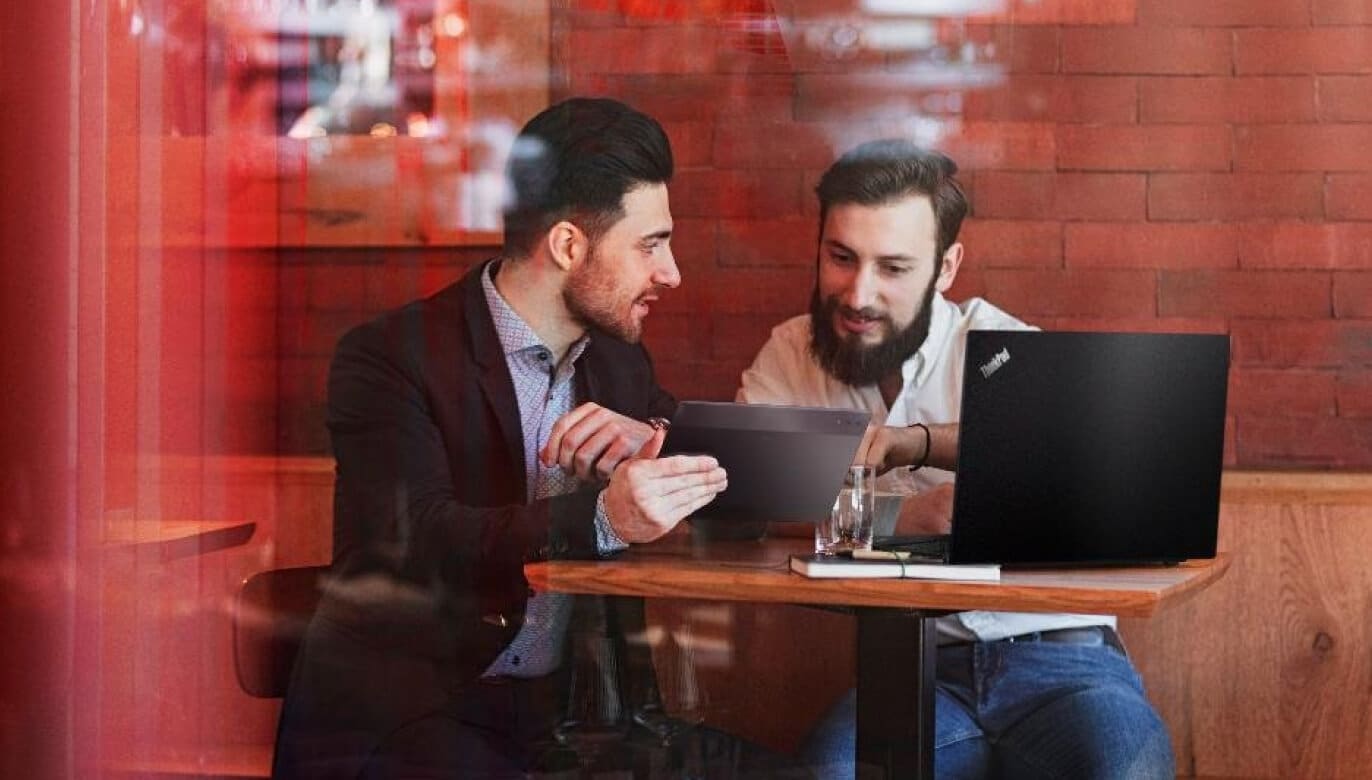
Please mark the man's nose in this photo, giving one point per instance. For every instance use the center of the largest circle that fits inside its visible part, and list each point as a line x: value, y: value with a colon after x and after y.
x: 668, y: 275
x: 862, y: 289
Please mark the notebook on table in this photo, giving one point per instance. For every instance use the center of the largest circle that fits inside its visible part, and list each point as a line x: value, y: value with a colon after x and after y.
x: 1086, y: 448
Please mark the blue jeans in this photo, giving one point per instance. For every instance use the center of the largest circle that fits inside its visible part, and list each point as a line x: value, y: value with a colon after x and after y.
x: 1025, y: 710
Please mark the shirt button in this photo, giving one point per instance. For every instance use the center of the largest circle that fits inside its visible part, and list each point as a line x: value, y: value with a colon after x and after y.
x: 515, y: 660
x: 544, y: 355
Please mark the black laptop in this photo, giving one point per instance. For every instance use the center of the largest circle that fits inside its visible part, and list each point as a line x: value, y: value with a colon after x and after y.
x: 1088, y: 448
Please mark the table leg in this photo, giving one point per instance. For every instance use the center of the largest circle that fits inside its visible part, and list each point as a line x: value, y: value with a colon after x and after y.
x: 896, y: 651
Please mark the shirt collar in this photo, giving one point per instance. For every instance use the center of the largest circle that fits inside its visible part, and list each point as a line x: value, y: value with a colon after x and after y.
x: 917, y: 368
x: 514, y: 333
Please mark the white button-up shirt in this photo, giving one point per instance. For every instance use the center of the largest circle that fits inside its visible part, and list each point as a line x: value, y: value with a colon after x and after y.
x: 785, y: 372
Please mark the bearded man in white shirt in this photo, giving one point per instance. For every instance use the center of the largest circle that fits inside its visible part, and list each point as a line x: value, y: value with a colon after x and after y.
x: 1018, y: 695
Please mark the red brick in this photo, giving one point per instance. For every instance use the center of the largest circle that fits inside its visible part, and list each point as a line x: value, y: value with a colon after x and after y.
x: 1345, y: 98
x: 1282, y: 294
x: 1225, y: 13
x: 1353, y: 294
x: 791, y: 145
x: 1228, y: 196
x: 1342, y: 147
x: 1252, y: 100
x: 1151, y: 245
x: 1060, y: 12
x: 1056, y: 293
x: 790, y: 241
x: 1143, y: 148
x: 705, y: 96
x: 808, y: 29
x: 1067, y: 196
x: 692, y: 142
x: 683, y: 49
x: 1305, y: 343
x: 1316, y: 50
x: 1110, y: 99
x: 1326, y: 442
x: 1348, y: 196
x: 1072, y: 11
x: 708, y: 380
x: 1306, y: 245
x: 1289, y: 392
x: 1231, y: 454
x: 970, y: 283
x: 1354, y: 393
x: 1324, y: 12
x: 777, y: 291
x: 756, y: 193
x: 997, y: 243
x: 672, y: 337
x: 1019, y: 49
x: 866, y: 95
x: 594, y: 13
x: 1007, y: 146
x: 740, y: 336
x: 694, y: 246
x: 1145, y: 50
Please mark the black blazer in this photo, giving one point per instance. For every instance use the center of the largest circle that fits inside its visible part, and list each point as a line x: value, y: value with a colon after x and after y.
x: 431, y: 524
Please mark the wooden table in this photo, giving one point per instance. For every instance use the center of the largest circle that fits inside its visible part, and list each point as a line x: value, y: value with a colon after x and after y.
x: 895, y: 727
x: 173, y: 539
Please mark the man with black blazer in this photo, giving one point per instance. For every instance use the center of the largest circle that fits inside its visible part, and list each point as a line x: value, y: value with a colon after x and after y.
x: 502, y: 420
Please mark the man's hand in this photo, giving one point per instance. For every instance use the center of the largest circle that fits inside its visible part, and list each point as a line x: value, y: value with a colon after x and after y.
x: 590, y: 441
x: 648, y: 495
x: 930, y: 512
x: 886, y: 447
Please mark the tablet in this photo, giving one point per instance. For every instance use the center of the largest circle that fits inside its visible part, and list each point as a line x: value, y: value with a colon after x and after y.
x: 785, y: 463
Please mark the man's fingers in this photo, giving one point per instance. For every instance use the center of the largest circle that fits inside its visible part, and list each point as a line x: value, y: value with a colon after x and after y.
x: 684, y: 509
x: 868, y: 437
x: 552, y: 448
x: 715, y: 479
x: 677, y: 465
x: 620, y: 450
x: 653, y: 445
x: 590, y: 452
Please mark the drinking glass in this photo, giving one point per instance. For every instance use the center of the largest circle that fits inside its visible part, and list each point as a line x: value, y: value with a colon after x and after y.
x: 849, y: 525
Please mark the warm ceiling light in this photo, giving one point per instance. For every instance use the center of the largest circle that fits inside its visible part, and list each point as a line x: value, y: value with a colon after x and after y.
x: 452, y: 25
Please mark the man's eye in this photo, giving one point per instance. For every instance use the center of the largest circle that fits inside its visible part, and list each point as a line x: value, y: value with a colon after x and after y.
x: 894, y: 270
x: 838, y: 259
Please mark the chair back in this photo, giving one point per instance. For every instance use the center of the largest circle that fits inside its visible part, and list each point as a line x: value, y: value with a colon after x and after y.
x: 270, y: 615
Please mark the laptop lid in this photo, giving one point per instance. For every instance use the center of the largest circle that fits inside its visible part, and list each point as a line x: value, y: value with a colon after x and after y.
x: 784, y: 462
x: 1089, y: 447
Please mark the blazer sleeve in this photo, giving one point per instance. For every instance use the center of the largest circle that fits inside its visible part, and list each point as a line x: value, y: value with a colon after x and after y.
x: 396, y: 507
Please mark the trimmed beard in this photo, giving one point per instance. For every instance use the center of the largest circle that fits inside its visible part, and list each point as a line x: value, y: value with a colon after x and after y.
x: 590, y: 296
x: 846, y: 359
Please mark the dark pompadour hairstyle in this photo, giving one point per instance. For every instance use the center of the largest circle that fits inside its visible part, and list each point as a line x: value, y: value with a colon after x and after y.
x: 575, y: 161
x: 879, y: 172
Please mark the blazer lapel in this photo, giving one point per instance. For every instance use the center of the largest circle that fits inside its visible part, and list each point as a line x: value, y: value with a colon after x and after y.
x: 494, y: 376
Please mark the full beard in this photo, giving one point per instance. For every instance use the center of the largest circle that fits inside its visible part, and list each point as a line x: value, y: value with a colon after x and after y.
x: 845, y: 358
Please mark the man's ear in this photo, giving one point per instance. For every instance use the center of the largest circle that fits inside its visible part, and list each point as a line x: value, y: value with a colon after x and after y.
x: 948, y: 267
x: 567, y: 245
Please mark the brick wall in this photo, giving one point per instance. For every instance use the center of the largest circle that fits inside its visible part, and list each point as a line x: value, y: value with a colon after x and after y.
x: 1133, y: 164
